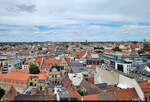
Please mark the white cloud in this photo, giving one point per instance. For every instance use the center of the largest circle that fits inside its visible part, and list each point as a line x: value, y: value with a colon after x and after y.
x: 74, y: 17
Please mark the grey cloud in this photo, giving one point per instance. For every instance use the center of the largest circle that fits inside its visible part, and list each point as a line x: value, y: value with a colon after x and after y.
x: 27, y: 8
x: 23, y: 8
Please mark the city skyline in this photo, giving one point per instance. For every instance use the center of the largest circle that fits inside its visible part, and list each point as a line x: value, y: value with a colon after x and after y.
x: 74, y: 20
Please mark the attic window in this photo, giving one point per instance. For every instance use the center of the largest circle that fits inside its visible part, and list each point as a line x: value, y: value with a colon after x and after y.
x: 74, y: 76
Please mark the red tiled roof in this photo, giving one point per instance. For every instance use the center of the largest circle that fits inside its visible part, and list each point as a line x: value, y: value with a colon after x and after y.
x: 134, y: 45
x: 108, y: 51
x: 68, y: 50
x: 88, y: 50
x: 112, y: 88
x: 18, y: 76
x: 71, y: 88
x: 48, y: 61
x: 20, y: 70
x: 27, y: 63
x: 41, y: 76
x: 147, y: 52
x: 78, y: 54
x: 10, y: 94
x: 74, y: 94
x: 124, y: 94
x: 94, y: 66
x: 89, y: 79
x: 133, y: 52
x: 67, y: 60
x: 93, y: 97
x: 145, y: 86
x: 127, y: 94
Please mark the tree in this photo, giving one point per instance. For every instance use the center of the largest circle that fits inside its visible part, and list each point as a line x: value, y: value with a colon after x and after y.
x: 5, y: 48
x: 33, y: 69
x: 40, y: 48
x: 116, y: 49
x: 145, y: 48
x: 2, y: 92
x: 135, y: 42
x: 141, y: 51
x: 101, y: 48
x: 25, y: 48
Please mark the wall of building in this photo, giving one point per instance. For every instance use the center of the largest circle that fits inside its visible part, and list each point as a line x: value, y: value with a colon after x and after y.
x: 97, y: 78
x: 131, y: 83
x: 126, y: 67
x: 111, y: 78
x: 18, y: 89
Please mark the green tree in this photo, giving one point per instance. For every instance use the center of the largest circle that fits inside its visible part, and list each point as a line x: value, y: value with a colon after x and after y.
x: 116, y: 49
x: 101, y: 48
x: 2, y: 92
x: 145, y: 48
x: 135, y: 42
x: 33, y: 69
x: 40, y: 48
x: 25, y: 48
x: 141, y: 51
x: 5, y: 48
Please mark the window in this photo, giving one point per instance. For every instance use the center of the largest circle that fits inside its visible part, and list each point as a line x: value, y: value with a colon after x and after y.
x: 31, y: 84
x: 12, y: 82
x: 120, y: 67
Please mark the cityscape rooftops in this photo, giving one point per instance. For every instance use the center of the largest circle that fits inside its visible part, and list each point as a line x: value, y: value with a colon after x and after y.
x: 15, y: 62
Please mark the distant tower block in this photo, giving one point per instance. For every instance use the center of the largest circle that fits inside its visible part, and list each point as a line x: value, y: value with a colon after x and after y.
x: 86, y: 42
x: 144, y: 41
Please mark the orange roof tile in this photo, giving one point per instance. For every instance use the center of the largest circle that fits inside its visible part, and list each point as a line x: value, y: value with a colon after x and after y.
x: 78, y: 54
x: 134, y: 45
x: 145, y: 86
x: 10, y: 94
x: 127, y: 94
x: 67, y: 60
x: 112, y: 88
x: 41, y: 76
x: 124, y: 94
x: 93, y: 97
x: 48, y: 61
x: 94, y: 66
x: 108, y: 51
x: 16, y: 76
x: 27, y: 63
x: 89, y: 79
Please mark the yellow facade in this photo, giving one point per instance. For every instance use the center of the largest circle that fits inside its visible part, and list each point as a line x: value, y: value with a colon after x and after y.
x: 122, y: 47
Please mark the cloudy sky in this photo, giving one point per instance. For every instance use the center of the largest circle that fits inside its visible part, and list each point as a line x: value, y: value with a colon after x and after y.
x: 74, y: 20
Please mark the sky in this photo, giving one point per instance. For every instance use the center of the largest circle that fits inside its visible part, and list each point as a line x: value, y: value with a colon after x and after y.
x: 74, y: 20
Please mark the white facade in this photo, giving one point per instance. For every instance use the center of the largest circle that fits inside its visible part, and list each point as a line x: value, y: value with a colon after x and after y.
x: 131, y: 83
x: 125, y: 67
x: 76, y: 78
x: 95, y: 55
x: 25, y: 66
